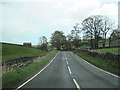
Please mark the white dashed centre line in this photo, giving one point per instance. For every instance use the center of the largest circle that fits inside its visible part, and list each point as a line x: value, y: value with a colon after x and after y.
x: 65, y: 57
x: 78, y: 87
x: 67, y: 62
x: 69, y: 69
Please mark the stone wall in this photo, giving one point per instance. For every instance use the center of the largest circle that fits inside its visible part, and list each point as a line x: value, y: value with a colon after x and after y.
x: 17, y: 63
x: 110, y: 56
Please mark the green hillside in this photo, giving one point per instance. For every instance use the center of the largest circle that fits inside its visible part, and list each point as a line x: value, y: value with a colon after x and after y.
x: 14, y: 51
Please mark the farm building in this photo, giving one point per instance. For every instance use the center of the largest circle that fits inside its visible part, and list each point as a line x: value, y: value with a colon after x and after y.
x: 27, y: 44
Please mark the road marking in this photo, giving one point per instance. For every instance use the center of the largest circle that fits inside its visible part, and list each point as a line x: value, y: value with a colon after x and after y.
x: 37, y: 73
x: 69, y: 69
x: 99, y: 68
x: 67, y: 62
x: 65, y: 57
x: 78, y: 87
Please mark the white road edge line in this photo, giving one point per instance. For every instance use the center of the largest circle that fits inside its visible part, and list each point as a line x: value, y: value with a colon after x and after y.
x: 37, y: 73
x: 69, y: 69
x: 99, y: 68
x: 78, y: 87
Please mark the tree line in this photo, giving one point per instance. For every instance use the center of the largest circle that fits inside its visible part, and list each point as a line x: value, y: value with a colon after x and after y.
x: 94, y: 30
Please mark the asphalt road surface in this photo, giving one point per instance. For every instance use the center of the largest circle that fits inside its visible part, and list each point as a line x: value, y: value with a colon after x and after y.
x: 69, y: 71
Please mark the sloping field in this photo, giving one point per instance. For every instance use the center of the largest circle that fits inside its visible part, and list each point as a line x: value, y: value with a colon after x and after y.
x: 113, y: 43
x: 112, y: 50
x: 10, y: 51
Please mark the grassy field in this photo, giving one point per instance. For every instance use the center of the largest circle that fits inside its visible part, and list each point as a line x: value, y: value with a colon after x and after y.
x: 14, y: 51
x: 106, y: 44
x: 105, y: 64
x: 13, y: 77
x: 34, y: 46
x: 112, y: 50
x: 113, y: 43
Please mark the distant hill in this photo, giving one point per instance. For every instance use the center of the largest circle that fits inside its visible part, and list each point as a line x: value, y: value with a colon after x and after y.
x: 12, y: 51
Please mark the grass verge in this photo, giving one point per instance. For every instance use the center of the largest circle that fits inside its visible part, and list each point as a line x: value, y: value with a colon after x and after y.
x: 108, y: 65
x: 12, y: 77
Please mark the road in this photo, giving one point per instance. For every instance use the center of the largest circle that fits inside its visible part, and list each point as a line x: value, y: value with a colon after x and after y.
x: 69, y: 71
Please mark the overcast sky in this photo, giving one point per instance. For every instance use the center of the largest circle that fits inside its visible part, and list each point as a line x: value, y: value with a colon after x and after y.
x: 24, y: 21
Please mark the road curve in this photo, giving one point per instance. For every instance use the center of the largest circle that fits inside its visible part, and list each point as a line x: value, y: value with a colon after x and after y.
x: 69, y: 71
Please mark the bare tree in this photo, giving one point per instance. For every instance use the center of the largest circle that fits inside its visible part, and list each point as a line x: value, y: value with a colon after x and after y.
x: 95, y: 27
x: 75, y: 33
x: 115, y: 35
x: 106, y: 26
x: 42, y: 43
x: 91, y: 26
x: 69, y: 42
x: 42, y: 40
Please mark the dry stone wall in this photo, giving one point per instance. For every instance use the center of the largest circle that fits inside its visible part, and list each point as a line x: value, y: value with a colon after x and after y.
x: 17, y: 63
x: 108, y: 55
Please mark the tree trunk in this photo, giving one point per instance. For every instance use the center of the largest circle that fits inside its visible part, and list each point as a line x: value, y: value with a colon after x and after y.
x: 109, y: 42
x: 104, y: 40
x: 97, y: 42
x: 103, y: 44
x: 91, y: 43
